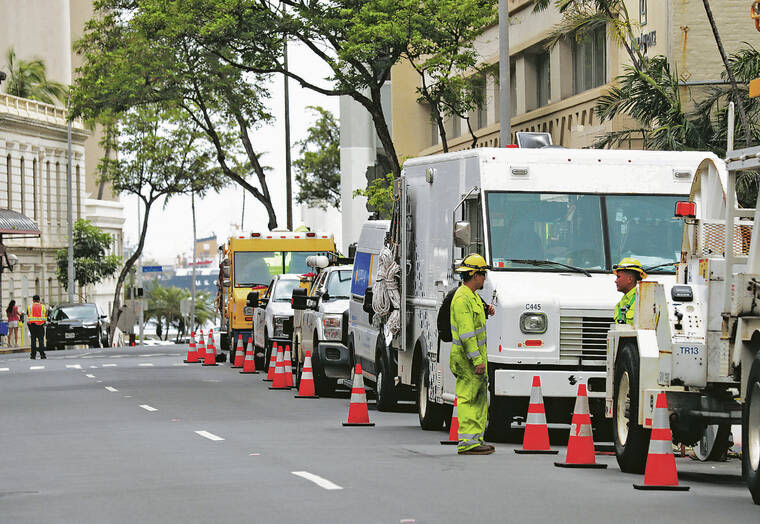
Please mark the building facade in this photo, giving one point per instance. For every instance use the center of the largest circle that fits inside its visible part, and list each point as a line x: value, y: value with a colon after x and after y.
x: 555, y: 90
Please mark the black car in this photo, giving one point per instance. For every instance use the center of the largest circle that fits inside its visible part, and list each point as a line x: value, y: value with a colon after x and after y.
x: 77, y: 324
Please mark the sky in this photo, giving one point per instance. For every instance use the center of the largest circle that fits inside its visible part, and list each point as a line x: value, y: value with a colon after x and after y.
x: 170, y: 228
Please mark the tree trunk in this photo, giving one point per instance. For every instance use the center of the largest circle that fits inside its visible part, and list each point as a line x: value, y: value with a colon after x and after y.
x: 116, y: 308
x: 381, y: 128
x: 732, y: 79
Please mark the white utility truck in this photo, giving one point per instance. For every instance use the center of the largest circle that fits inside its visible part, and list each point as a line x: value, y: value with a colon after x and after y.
x: 551, y: 222
x: 698, y: 338
x: 270, y: 313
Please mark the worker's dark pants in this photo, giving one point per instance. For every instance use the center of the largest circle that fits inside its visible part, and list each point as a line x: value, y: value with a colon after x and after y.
x: 38, y: 340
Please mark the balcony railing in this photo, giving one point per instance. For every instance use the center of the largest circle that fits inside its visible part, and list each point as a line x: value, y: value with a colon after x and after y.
x: 34, y: 109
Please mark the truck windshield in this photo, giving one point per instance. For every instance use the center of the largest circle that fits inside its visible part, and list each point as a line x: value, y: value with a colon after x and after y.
x: 568, y: 228
x: 339, y: 284
x: 258, y: 267
x: 283, y: 291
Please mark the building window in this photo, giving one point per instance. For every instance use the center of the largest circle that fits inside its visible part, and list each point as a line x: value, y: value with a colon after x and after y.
x: 21, y: 185
x: 543, y: 78
x: 79, y: 195
x: 643, y: 12
x: 590, y: 60
x: 8, y: 179
x: 60, y: 193
x: 35, y: 182
x: 49, y: 181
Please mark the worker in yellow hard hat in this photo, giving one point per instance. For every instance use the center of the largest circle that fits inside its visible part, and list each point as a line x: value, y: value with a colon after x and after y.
x: 468, y: 356
x: 628, y: 272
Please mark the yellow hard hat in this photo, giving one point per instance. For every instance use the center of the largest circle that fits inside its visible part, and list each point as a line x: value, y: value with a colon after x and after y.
x: 473, y: 264
x: 630, y: 264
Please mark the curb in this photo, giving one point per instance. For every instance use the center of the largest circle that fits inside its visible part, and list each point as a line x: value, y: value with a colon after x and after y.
x: 15, y: 350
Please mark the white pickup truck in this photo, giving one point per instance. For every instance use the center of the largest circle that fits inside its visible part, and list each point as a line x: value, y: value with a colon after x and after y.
x: 271, y: 311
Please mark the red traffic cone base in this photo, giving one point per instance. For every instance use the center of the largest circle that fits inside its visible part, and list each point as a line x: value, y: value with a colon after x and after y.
x: 580, y: 446
x: 453, y: 428
x: 358, y: 415
x: 660, y: 473
x: 306, y: 389
x: 536, y: 438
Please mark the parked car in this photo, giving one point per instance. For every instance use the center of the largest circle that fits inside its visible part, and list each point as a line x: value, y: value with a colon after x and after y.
x: 70, y: 324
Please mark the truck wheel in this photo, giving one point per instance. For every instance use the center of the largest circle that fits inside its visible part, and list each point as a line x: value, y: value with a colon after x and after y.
x: 714, y: 443
x: 631, y: 439
x: 267, y: 351
x: 384, y: 388
x: 751, y: 432
x: 430, y: 413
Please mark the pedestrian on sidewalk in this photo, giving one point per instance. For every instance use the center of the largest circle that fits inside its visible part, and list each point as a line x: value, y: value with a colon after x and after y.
x: 13, y: 319
x: 37, y: 315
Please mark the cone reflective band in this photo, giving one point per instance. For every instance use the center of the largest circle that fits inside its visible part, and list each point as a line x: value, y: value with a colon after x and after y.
x: 358, y: 415
x: 249, y: 364
x: 306, y: 389
x: 279, y: 372
x: 201, y: 348
x: 192, y: 352
x: 239, y: 353
x: 536, y: 438
x: 660, y: 473
x: 453, y: 428
x: 580, y: 446
x: 288, y: 367
x: 272, y: 364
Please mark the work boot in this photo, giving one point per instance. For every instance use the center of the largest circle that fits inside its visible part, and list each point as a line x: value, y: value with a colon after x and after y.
x: 478, y: 450
x: 489, y: 446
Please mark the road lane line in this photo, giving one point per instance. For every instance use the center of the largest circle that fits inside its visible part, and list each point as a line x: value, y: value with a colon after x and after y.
x: 93, y: 367
x: 36, y: 367
x: 208, y: 435
x: 110, y: 365
x: 316, y: 479
x: 112, y: 389
x: 73, y: 366
x: 5, y: 369
x: 147, y: 407
x: 146, y: 365
x: 90, y: 376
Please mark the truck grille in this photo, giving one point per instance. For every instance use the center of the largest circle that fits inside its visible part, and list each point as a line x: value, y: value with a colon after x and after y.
x: 583, y: 339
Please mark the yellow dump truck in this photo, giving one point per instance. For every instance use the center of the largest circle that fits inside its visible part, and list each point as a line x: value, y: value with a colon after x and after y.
x: 249, y: 263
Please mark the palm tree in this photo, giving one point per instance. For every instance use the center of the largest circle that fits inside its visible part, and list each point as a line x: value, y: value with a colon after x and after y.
x: 28, y: 79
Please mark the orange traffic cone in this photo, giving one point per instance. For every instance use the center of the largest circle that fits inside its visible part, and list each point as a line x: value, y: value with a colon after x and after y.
x: 192, y: 353
x: 239, y: 354
x: 536, y: 438
x: 580, y: 446
x: 358, y: 415
x: 660, y: 473
x: 272, y: 364
x: 288, y: 366
x: 453, y: 428
x: 306, y: 389
x: 201, y: 348
x: 210, y: 359
x: 249, y: 365
x: 279, y: 381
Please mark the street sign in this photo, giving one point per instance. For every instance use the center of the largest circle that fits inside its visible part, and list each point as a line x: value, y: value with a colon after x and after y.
x: 184, y: 307
x: 152, y: 269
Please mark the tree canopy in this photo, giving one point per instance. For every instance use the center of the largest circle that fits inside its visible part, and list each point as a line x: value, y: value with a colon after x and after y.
x: 318, y: 168
x: 92, y: 263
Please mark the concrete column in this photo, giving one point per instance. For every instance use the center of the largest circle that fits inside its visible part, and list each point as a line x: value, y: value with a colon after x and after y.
x: 561, y: 64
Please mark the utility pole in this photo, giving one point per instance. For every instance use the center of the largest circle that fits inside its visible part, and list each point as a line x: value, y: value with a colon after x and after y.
x: 192, y: 284
x: 505, y: 103
x: 288, y: 182
x: 70, y: 211
x: 139, y: 282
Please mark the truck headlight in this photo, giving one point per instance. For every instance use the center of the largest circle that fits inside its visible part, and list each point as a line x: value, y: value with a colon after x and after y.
x: 332, y: 325
x: 279, y: 330
x: 533, y: 323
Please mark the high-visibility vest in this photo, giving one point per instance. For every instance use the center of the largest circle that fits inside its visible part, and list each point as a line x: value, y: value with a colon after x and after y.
x: 468, y: 330
x: 37, y: 313
x: 624, y: 310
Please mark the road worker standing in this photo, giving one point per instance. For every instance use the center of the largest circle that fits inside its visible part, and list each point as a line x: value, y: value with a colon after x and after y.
x: 628, y: 273
x: 468, y: 356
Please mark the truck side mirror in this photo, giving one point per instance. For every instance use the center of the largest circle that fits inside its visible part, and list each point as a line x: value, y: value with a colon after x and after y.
x: 252, y: 300
x: 298, y: 299
x: 367, y: 306
x: 462, y: 234
x: 226, y: 268
x: 287, y: 326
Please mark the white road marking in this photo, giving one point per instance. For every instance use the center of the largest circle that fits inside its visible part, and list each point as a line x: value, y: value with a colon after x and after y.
x: 146, y: 365
x: 180, y: 364
x: 109, y: 388
x: 73, y: 366
x: 127, y: 396
x: 36, y: 367
x: 147, y: 407
x: 93, y: 367
x: 110, y: 365
x: 90, y: 376
x: 316, y: 479
x: 5, y: 369
x: 208, y: 435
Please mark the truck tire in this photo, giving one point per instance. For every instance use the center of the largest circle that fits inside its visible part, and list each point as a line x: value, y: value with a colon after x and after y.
x: 631, y: 439
x: 430, y: 413
x: 714, y: 443
x: 751, y: 431
x: 385, y: 390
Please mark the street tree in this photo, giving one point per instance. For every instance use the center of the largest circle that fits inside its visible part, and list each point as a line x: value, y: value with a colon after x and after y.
x: 147, y: 52
x: 317, y: 170
x: 442, y: 52
x: 92, y: 263
x: 28, y: 79
x: 160, y: 153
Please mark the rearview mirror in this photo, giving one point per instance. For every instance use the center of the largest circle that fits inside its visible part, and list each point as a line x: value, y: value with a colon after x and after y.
x: 462, y: 234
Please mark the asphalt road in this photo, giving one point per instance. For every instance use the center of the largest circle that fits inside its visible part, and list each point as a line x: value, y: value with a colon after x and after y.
x: 133, y: 435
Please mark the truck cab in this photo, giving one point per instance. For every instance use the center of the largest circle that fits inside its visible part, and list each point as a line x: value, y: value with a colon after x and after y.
x: 321, y: 326
x: 271, y: 312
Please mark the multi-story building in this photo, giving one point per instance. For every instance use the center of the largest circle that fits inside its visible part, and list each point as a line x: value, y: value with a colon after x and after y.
x: 555, y: 90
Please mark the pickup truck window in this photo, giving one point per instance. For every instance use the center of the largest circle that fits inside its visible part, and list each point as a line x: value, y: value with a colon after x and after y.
x: 283, y: 291
x: 258, y: 267
x: 339, y: 284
